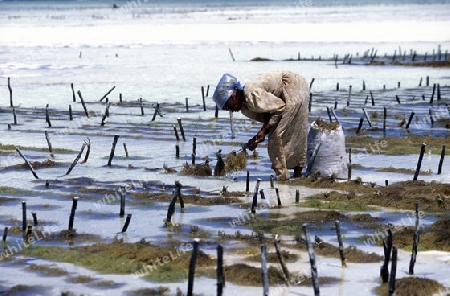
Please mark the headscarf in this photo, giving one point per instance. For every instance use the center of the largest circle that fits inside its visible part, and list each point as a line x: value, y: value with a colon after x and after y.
x: 224, y: 89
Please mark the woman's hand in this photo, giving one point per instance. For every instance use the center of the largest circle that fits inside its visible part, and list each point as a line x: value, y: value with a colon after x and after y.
x: 260, y: 137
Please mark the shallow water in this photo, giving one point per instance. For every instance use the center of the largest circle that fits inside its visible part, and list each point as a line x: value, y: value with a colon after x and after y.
x: 165, y: 58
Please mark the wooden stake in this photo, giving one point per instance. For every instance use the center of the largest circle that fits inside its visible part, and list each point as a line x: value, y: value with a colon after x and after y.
x: 361, y: 120
x: 35, y: 221
x: 411, y: 116
x: 341, y: 245
x: 14, y: 116
x: 177, y: 151
x: 10, y: 94
x: 107, y: 93
x: 111, y: 155
x: 310, y: 102
x: 231, y: 53
x: 349, y: 95
x: 178, y: 194
x: 441, y: 161
x: 247, y: 182
x: 72, y: 212
x: 70, y: 113
x: 203, y: 98
x: 285, y: 270
x: 278, y: 197
x: 419, y: 162
x: 83, y: 104
x: 255, y: 196
x: 261, y: 192
x: 432, y: 94
x: 194, y: 149
x: 220, y: 276
x: 337, y: 86
x: 126, y: 150
x: 349, y: 168
x: 312, y: 261
x: 272, y: 185
x: 5, y: 234
x: 24, y: 215
x: 187, y: 105
x: 50, y: 149
x: 122, y: 202
x: 415, y: 242
x: 88, y: 151
x: 171, y: 208
x: 264, y: 273
x: 368, y: 118
x: 75, y: 161
x: 384, y: 120
x: 181, y: 129
x: 27, y: 163
x: 192, y: 263
x: 438, y: 94
x: 176, y: 133
x: 297, y: 196
x: 73, y: 93
x: 387, y: 247
x: 393, y: 271
x: 127, y: 223
x: 373, y: 100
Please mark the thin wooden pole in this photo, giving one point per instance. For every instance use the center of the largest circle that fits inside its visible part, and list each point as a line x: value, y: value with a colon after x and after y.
x: 441, y: 161
x: 75, y: 161
x: 361, y: 120
x: 192, y: 263
x: 349, y: 170
x: 341, y: 245
x: 127, y: 223
x: 187, y: 105
x: 10, y: 93
x: 203, y: 98
x: 393, y: 271
x: 387, y: 247
x: 415, y: 242
x: 284, y: 268
x: 24, y: 215
x: 27, y: 163
x: 247, y: 182
x: 312, y: 261
x: 255, y: 196
x: 194, y: 149
x: 70, y: 113
x: 122, y: 202
x: 219, y: 271
x: 181, y: 128
x: 35, y: 220
x: 111, y: 155
x: 50, y: 149
x: 83, y: 104
x: 5, y: 234
x: 72, y: 212
x: 264, y: 273
x: 107, y: 93
x: 14, y: 116
x: 278, y: 197
x: 411, y: 116
x: 74, y: 99
x: 126, y: 150
x: 419, y: 162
